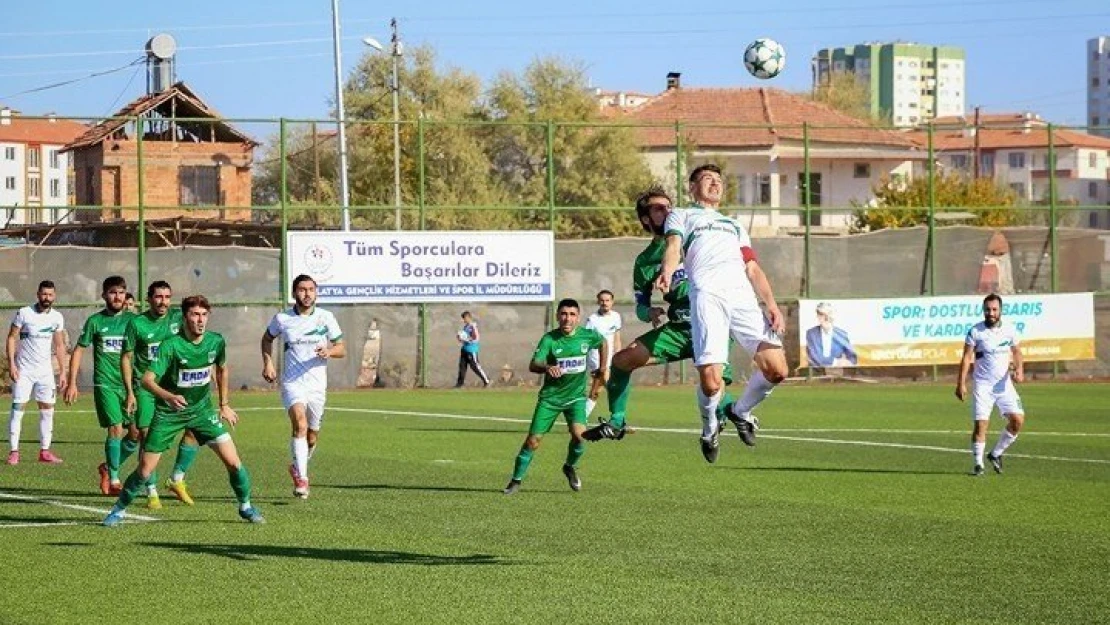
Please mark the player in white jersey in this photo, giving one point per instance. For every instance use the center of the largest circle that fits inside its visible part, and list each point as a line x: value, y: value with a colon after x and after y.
x: 726, y: 286
x: 994, y: 349
x: 608, y: 324
x: 311, y: 336
x: 36, y: 337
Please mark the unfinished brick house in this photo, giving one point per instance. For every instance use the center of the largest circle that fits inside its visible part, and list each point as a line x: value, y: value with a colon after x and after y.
x: 193, y: 163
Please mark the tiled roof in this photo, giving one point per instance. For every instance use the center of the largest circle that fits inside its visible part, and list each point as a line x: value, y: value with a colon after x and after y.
x: 987, y: 119
x: 47, y: 131
x: 1006, y: 139
x: 188, y: 105
x: 768, y: 116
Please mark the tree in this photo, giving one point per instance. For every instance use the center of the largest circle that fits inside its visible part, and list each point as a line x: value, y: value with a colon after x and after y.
x: 844, y: 93
x: 900, y: 204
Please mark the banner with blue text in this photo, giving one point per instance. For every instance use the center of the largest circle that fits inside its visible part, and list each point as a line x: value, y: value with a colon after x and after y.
x: 931, y: 330
x: 408, y: 267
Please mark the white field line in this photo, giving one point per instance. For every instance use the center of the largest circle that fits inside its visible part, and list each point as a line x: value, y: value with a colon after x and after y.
x: 69, y: 506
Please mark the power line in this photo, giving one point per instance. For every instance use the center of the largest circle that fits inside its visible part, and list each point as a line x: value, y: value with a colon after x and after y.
x: 74, y: 80
x: 286, y: 57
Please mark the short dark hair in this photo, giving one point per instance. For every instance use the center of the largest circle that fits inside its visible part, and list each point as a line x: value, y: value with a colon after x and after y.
x: 112, y: 282
x: 568, y: 303
x: 154, y: 286
x: 643, y: 203
x: 703, y: 168
x: 993, y: 297
x: 129, y: 295
x: 304, y: 277
x: 195, y: 301
x: 465, y: 314
x: 46, y: 284
x: 605, y: 292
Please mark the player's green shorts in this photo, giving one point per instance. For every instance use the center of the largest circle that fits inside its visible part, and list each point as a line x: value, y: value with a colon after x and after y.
x: 545, y: 415
x: 109, y: 403
x: 144, y: 408
x: 167, y: 428
x: 672, y: 342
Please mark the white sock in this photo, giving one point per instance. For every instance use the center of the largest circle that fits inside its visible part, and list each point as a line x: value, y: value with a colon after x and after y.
x: 1005, y: 439
x: 590, y: 405
x: 15, y: 426
x: 708, y: 407
x: 299, y: 446
x: 246, y: 505
x: 151, y: 489
x: 758, y: 389
x: 977, y: 452
x: 178, y: 476
x: 46, y: 427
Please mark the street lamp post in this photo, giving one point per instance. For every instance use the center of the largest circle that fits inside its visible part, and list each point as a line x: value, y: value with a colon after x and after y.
x: 395, y: 51
x: 344, y: 185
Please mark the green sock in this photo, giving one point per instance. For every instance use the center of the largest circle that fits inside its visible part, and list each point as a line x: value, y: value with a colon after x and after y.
x: 127, y: 448
x: 111, y: 457
x: 240, y: 483
x: 574, y: 452
x: 618, y: 389
x: 523, y: 459
x: 186, y: 454
x: 726, y: 399
x: 132, y: 488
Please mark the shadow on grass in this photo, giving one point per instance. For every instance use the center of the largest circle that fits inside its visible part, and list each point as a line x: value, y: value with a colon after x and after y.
x: 368, y: 556
x: 841, y: 470
x: 466, y: 430
x: 442, y: 489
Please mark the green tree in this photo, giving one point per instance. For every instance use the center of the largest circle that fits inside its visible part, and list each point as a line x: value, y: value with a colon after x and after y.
x: 844, y: 93
x: 899, y: 203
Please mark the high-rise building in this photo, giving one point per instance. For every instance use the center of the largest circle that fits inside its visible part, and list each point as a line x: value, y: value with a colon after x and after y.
x: 1098, y: 85
x: 908, y: 83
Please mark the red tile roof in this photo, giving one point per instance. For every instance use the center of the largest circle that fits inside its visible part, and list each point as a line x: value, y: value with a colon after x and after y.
x: 767, y: 116
x: 1007, y: 139
x: 988, y: 119
x: 50, y: 132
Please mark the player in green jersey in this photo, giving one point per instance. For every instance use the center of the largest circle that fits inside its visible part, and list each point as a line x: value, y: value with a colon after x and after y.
x: 104, y: 331
x: 561, y: 357
x: 144, y: 335
x: 669, y: 340
x: 181, y: 381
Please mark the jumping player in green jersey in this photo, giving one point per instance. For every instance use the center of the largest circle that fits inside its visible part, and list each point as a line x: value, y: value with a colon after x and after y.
x: 561, y: 357
x: 180, y: 380
x: 104, y: 331
x: 669, y: 340
x: 144, y: 335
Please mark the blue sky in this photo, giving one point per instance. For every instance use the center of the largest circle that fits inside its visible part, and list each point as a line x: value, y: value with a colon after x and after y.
x: 251, y: 58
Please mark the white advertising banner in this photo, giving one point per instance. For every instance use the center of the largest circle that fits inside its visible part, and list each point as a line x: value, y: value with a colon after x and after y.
x: 931, y: 330
x: 399, y: 266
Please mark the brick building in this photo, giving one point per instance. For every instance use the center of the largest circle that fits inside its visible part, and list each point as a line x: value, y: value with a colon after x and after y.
x: 194, y: 164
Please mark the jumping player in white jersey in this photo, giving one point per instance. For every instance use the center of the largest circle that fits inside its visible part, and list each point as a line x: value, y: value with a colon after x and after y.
x: 36, y: 336
x: 993, y: 348
x: 608, y: 324
x: 311, y: 336
x: 726, y: 286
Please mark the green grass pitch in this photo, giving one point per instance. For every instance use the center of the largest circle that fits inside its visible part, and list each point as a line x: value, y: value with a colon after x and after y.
x: 855, y: 507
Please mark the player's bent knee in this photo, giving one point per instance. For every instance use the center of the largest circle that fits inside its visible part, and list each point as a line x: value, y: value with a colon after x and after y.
x: 532, y: 443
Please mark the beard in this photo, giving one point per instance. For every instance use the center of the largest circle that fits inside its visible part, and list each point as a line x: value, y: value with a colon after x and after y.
x: 992, y: 323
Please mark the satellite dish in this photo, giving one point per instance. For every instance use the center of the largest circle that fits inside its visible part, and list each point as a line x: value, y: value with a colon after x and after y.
x: 161, y: 46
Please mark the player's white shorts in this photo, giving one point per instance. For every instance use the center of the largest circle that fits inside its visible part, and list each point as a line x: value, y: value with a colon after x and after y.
x: 593, y: 360
x: 39, y: 387
x: 715, y: 318
x: 312, y: 398
x: 985, y: 397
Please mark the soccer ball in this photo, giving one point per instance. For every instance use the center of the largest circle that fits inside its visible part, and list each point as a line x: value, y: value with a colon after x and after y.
x: 764, y: 58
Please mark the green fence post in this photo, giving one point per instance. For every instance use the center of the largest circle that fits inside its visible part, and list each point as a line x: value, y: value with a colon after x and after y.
x: 550, y: 139
x: 679, y: 201
x: 1053, y: 265
x: 420, y: 164
x: 932, y: 245
x: 283, y: 271
x: 142, y: 204
x: 808, y: 206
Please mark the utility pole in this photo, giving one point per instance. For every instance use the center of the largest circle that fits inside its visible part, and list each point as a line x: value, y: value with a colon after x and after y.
x: 396, y: 51
x: 975, y: 150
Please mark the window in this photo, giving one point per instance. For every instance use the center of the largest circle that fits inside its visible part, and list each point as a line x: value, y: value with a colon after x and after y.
x: 1017, y: 160
x: 861, y: 170
x: 1018, y: 188
x: 199, y: 185
x: 986, y: 164
x: 761, y: 184
x: 9, y: 154
x: 55, y: 159
x: 9, y: 183
x: 1092, y: 189
x: 55, y: 188
x: 959, y: 161
x: 1092, y: 159
x: 1094, y: 81
x: 33, y: 158
x: 1094, y: 122
x: 34, y: 188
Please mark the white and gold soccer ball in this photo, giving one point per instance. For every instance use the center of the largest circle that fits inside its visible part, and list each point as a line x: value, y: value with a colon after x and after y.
x: 764, y: 58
